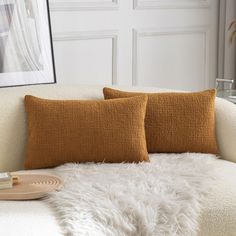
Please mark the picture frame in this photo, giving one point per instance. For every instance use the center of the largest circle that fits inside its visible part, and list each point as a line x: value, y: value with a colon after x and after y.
x: 26, y: 47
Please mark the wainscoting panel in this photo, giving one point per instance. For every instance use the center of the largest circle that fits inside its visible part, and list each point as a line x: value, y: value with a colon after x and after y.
x: 159, y: 58
x: 78, y: 57
x: 162, y: 43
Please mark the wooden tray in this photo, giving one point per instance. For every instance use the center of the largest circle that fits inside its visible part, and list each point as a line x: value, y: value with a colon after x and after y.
x: 32, y: 186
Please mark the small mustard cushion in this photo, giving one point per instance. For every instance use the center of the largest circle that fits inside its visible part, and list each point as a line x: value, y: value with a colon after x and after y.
x: 177, y: 122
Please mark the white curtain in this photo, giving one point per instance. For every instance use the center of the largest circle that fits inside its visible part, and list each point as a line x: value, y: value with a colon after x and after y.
x: 21, y: 50
x: 227, y: 51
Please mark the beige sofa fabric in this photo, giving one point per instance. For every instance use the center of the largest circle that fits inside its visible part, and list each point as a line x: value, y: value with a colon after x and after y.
x: 226, y: 129
x: 218, y: 216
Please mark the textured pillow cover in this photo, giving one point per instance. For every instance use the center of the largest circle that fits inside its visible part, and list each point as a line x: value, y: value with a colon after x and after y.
x: 177, y: 122
x: 62, y: 131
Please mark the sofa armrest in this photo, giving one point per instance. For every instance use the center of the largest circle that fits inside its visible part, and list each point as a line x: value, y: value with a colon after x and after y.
x: 226, y: 129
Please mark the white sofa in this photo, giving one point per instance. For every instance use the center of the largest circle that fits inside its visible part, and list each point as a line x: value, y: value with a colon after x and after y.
x: 218, y: 216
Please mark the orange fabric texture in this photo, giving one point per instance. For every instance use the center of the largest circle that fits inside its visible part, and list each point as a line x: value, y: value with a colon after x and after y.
x: 85, y: 131
x: 177, y: 122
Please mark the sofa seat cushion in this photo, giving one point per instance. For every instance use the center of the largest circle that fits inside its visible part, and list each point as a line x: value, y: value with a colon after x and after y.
x: 218, y: 215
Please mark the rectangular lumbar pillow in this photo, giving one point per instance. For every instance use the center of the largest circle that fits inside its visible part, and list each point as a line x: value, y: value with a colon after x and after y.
x: 177, y: 122
x: 62, y: 131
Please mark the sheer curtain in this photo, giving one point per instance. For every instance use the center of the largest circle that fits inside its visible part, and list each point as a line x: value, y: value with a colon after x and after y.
x: 20, y: 47
x: 227, y: 51
x: 5, y: 21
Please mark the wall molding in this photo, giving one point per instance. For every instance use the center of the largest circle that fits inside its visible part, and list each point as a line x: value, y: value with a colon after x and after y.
x: 77, y: 5
x: 170, y: 4
x: 93, y: 35
x: 140, y: 33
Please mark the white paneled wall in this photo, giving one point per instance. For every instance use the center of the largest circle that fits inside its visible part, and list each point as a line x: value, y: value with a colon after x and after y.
x: 163, y: 43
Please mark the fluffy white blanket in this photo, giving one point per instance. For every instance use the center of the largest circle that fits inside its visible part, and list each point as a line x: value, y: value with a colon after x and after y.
x: 162, y: 197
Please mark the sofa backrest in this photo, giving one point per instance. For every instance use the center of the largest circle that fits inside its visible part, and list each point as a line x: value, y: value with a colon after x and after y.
x: 13, y: 128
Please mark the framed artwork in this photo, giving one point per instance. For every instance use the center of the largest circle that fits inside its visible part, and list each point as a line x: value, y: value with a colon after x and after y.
x: 26, y: 51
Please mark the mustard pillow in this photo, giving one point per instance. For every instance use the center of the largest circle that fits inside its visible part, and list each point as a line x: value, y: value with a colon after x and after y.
x: 177, y: 122
x: 85, y: 131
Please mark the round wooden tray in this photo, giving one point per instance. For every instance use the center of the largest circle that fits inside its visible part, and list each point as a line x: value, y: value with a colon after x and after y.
x: 31, y: 186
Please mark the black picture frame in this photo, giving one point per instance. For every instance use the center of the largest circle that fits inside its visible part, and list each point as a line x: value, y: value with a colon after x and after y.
x: 10, y: 79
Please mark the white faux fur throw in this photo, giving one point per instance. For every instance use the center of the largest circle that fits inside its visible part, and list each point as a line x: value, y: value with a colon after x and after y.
x: 161, y: 197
